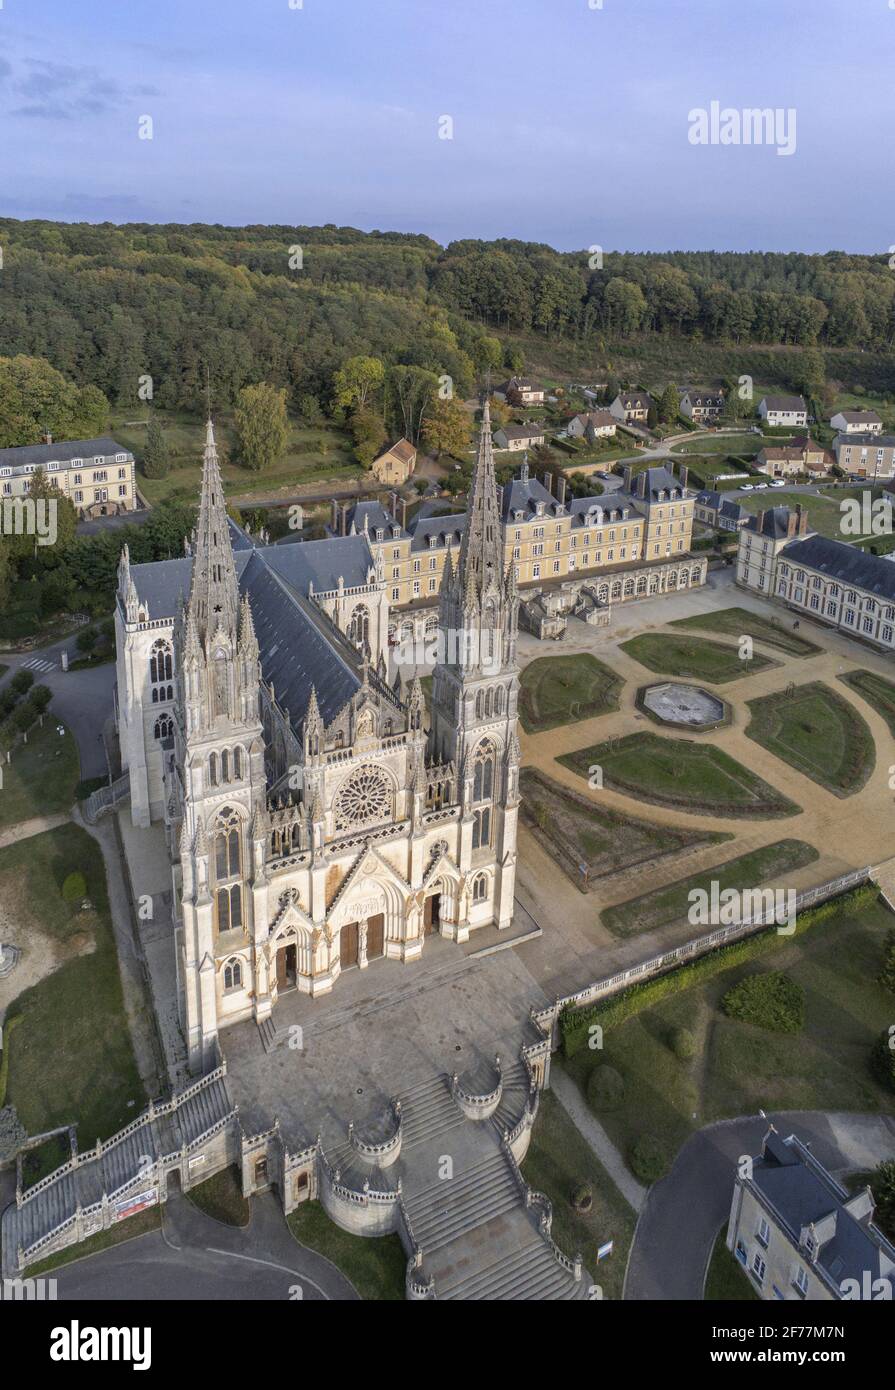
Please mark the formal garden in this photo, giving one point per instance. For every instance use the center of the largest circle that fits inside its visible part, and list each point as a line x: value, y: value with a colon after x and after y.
x: 816, y: 731
x: 693, y: 657
x: 696, y: 777
x: 561, y: 689
x: 876, y: 690
x: 740, y: 622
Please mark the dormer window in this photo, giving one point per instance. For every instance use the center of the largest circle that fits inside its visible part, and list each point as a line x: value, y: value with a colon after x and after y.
x: 380, y: 533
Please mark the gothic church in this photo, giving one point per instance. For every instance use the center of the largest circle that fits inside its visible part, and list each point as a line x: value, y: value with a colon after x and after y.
x: 314, y: 823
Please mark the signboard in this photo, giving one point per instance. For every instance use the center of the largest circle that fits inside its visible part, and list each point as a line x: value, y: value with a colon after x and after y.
x: 198, y: 1161
x: 139, y: 1201
x: 603, y: 1251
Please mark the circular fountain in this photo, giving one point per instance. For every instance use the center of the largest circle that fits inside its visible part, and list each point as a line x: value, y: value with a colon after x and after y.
x: 683, y: 706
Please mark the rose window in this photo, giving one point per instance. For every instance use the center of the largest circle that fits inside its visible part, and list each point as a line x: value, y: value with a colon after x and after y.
x: 365, y: 797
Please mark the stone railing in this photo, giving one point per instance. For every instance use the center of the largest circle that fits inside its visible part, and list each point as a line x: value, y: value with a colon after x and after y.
x: 478, y: 1106
x: 106, y: 798
x: 417, y: 1290
x: 382, y: 1151
x: 547, y: 1018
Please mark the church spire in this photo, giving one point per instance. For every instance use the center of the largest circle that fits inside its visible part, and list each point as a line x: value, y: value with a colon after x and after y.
x: 214, y: 600
x: 481, y: 551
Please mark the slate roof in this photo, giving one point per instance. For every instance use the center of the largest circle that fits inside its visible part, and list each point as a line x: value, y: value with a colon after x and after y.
x: 802, y: 1193
x: 521, y: 431
x: 847, y: 563
x: 62, y: 452
x: 774, y: 522
x: 375, y: 516
x: 322, y: 563
x: 878, y: 440
x: 854, y: 417
x: 523, y: 495
x: 783, y: 403
x: 661, y: 480
x: 441, y: 527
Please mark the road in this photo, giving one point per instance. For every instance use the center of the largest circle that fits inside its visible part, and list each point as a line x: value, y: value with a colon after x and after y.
x: 81, y: 699
x: 195, y: 1257
x: 685, y: 1211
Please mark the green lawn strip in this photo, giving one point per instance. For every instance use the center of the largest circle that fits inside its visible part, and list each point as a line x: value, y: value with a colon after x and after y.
x: 561, y: 689
x: 139, y: 1225
x: 693, y: 657
x: 375, y: 1265
x: 876, y: 690
x: 41, y: 778
x: 818, y: 732
x: 739, y: 622
x: 578, y: 831
x: 559, y: 1160
x: 824, y: 515
x: 726, y: 1280
x: 680, y: 773
x: 71, y: 1056
x: 671, y: 903
x: 738, y: 1067
x: 221, y: 1197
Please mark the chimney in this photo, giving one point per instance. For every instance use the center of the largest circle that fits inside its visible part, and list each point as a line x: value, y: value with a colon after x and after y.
x: 641, y: 483
x: 393, y: 497
x: 334, y: 517
x: 562, y: 490
x: 803, y: 519
x: 626, y: 478
x: 47, y: 438
x: 759, y: 522
x: 404, y: 512
x: 523, y: 471
x: 548, y: 482
x: 685, y: 472
x: 344, y: 518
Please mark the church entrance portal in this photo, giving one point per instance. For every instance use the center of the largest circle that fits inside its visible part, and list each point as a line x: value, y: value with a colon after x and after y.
x: 348, y: 945
x: 286, y: 968
x: 375, y: 936
x: 432, y: 913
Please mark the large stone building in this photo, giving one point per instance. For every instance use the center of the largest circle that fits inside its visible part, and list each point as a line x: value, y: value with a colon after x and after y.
x: 97, y: 475
x: 313, y: 822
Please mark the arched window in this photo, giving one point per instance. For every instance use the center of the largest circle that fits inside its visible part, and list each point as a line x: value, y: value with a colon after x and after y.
x: 480, y: 888
x: 481, y: 828
x: 498, y: 700
x: 213, y: 769
x: 227, y: 855
x: 161, y: 662
x: 229, y: 908
x: 164, y: 726
x: 233, y: 974
x: 359, y: 626
x: 237, y: 763
x: 225, y: 765
x: 483, y: 772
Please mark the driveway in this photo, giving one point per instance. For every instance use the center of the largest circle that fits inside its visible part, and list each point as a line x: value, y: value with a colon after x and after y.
x: 81, y: 699
x: 684, y: 1212
x: 196, y: 1257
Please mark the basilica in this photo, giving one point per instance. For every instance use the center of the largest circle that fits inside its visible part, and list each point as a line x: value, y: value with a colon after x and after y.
x: 318, y: 817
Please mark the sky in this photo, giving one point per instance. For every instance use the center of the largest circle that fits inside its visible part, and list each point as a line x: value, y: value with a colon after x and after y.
x: 570, y: 121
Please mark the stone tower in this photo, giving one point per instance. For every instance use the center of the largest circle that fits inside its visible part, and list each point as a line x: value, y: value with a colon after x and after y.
x: 475, y: 686
x: 220, y: 755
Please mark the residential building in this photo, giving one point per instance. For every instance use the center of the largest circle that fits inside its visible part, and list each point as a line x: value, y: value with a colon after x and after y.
x: 761, y: 540
x: 856, y: 422
x: 519, y: 437
x: 783, y: 410
x: 395, y: 464
x: 702, y: 406
x: 798, y: 1233
x: 868, y: 455
x: 97, y: 475
x: 718, y: 510
x: 631, y: 407
x: 594, y: 424
x: 802, y: 456
x: 520, y: 391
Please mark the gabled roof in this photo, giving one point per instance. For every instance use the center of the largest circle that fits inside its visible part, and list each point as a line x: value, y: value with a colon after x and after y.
x: 635, y: 400
x: 322, y: 564
x: 520, y: 431
x: 857, y: 417
x: 39, y: 455
x: 847, y: 563
x: 783, y: 402
x: 402, y: 450
x: 774, y: 522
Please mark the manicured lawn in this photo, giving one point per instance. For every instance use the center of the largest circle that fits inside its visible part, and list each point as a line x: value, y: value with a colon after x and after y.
x: 739, y: 622
x: 561, y: 689
x: 823, y: 512
x: 696, y: 777
x: 71, y: 1057
x: 695, y: 658
x: 559, y: 1160
x: 577, y: 831
x: 726, y: 1280
x: 42, y: 776
x: 221, y: 1197
x: 877, y: 691
x: 746, y: 443
x: 738, y: 1067
x: 376, y: 1265
x: 671, y: 904
x: 817, y: 732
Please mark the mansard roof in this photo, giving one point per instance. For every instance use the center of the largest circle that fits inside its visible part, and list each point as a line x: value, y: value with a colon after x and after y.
x: 847, y: 563
x: 442, y: 528
x: 525, y: 494
x: 375, y: 516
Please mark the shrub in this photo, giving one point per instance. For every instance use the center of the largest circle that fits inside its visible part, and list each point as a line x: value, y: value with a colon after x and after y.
x: 771, y: 1001
x: 74, y: 888
x: 882, y: 1185
x: 882, y: 1060
x: 582, y: 1197
x: 40, y: 698
x: 21, y: 681
x: 86, y: 639
x: 649, y: 1159
x: 886, y: 976
x: 683, y: 1044
x: 605, y: 1088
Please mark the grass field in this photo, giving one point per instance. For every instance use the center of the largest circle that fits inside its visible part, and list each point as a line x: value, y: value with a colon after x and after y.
x: 71, y: 1057
x: 709, y: 444
x: 823, y: 512
x: 558, y: 1160
x: 579, y: 832
x: 670, y: 904
x: 726, y: 1281
x: 221, y: 1197
x: 877, y: 691
x: 738, y: 1067
x: 695, y: 658
x: 817, y: 732
x: 312, y: 455
x: 739, y: 622
x: 42, y: 776
x: 376, y: 1265
x: 696, y: 777
x: 561, y: 689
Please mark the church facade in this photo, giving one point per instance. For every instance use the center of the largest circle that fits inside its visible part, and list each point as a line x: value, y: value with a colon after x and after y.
x: 316, y: 819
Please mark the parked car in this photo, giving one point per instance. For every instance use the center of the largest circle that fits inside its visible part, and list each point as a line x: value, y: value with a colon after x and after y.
x: 778, y: 482
x: 759, y: 487
x: 747, y: 487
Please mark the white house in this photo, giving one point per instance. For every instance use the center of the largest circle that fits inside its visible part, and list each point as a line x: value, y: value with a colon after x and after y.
x: 783, y: 410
